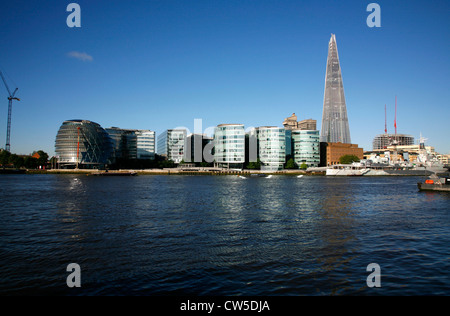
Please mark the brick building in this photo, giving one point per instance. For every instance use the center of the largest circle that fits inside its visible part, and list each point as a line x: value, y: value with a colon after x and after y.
x: 331, y: 152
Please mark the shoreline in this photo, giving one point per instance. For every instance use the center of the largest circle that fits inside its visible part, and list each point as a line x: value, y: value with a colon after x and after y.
x: 174, y: 171
x: 191, y: 172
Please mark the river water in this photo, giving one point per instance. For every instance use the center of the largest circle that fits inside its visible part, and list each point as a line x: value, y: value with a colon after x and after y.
x: 222, y: 235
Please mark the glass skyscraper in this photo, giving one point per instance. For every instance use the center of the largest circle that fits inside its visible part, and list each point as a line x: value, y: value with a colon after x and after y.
x: 172, y: 144
x: 335, y: 126
x: 132, y: 144
x: 229, y: 145
x: 145, y: 144
x: 271, y: 147
x: 306, y: 147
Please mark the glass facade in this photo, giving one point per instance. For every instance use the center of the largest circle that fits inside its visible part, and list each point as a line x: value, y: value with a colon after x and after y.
x: 271, y: 147
x: 306, y: 147
x: 132, y: 144
x: 229, y: 145
x: 83, y: 144
x: 145, y: 144
x: 116, y: 135
x: 172, y: 144
x: 335, y: 127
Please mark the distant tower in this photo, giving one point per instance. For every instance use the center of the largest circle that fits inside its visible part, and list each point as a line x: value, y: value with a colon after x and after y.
x: 335, y: 126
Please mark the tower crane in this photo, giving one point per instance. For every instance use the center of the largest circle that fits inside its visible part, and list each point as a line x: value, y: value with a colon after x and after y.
x: 11, y: 97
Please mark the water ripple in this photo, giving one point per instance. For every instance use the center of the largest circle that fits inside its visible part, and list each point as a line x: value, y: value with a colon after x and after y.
x: 207, y: 235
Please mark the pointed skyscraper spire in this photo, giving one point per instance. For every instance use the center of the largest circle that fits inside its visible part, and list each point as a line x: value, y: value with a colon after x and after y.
x: 335, y: 126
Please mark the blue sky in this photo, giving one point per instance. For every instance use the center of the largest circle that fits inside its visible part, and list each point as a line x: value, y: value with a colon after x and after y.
x: 160, y: 64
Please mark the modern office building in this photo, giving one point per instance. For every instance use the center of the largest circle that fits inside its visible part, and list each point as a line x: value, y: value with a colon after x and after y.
x: 132, y: 143
x: 306, y: 147
x: 172, y: 144
x: 382, y: 141
x: 288, y: 142
x: 197, y: 149
x: 82, y: 144
x: 145, y: 144
x: 335, y: 127
x: 116, y: 135
x: 229, y: 145
x: 271, y: 146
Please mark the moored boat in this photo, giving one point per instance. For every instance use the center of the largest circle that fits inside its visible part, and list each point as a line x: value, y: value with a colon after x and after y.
x: 354, y: 169
x: 435, y: 183
x: 114, y: 173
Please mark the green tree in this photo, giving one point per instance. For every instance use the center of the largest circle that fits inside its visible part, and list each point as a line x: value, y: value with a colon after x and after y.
x: 348, y: 159
x: 255, y: 165
x: 30, y: 162
x: 16, y: 161
x: 304, y: 166
x: 290, y: 164
x: 4, y: 157
x: 43, y: 158
x: 166, y: 164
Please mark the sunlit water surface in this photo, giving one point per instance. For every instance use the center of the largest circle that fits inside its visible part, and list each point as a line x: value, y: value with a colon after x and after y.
x: 222, y: 235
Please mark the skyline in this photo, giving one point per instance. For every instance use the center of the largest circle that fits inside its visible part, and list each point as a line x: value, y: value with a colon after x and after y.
x: 158, y: 65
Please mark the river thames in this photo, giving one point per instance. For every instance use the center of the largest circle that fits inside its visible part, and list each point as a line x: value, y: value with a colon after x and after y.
x: 222, y: 235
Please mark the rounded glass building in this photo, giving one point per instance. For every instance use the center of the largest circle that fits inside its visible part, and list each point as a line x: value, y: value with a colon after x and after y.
x: 82, y: 144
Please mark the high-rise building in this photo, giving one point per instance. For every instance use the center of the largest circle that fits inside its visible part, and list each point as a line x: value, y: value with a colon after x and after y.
x: 229, y: 145
x: 306, y: 147
x: 196, y: 150
x: 116, y: 135
x: 145, y: 144
x: 172, y: 144
x: 271, y: 144
x: 335, y: 127
x: 132, y: 143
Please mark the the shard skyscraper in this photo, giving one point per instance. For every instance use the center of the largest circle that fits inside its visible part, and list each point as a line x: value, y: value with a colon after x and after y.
x: 335, y: 126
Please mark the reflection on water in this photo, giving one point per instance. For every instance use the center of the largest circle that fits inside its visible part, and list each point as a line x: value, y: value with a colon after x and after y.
x: 221, y: 235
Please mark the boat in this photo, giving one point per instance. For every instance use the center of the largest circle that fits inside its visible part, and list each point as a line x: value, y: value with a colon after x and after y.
x: 435, y: 183
x: 262, y: 175
x: 114, y: 173
x: 354, y: 169
x: 256, y: 175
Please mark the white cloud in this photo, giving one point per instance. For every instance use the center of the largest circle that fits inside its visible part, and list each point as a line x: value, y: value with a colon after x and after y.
x: 80, y: 56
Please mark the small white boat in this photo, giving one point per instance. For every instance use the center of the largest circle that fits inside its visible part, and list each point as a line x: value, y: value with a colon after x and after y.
x: 354, y: 169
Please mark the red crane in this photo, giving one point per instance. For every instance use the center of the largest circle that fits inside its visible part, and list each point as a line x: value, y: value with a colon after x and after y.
x: 395, y: 119
x: 385, y: 120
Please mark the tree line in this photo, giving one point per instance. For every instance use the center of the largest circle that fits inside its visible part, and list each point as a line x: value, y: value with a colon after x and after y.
x: 9, y: 160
